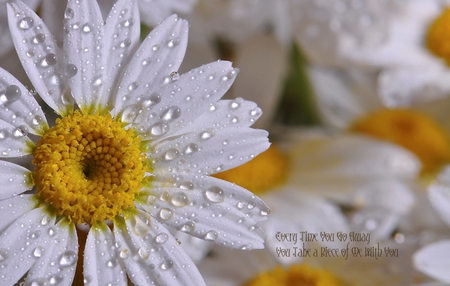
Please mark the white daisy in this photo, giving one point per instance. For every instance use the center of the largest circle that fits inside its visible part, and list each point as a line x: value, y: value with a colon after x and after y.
x: 390, y: 35
x: 131, y: 153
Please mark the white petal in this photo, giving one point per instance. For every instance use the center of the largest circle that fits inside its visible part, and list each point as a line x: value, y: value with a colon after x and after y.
x: 151, y: 255
x: 84, y: 48
x: 196, y: 248
x: 434, y: 261
x: 406, y: 87
x: 208, y: 208
x: 101, y: 263
x: 15, y: 177
x: 14, y: 142
x: 18, y: 105
x: 57, y: 256
x: 182, y: 101
x: 17, y: 246
x: 40, y: 56
x: 159, y: 55
x: 439, y: 195
x: 13, y: 208
x: 216, y: 141
x: 122, y: 32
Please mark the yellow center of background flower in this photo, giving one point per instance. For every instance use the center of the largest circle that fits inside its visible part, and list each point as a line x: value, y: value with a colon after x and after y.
x: 412, y: 130
x: 88, y: 167
x: 438, y: 37
x: 265, y: 171
x: 295, y: 275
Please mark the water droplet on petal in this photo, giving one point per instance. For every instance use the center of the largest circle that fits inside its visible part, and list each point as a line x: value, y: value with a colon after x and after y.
x: 159, y: 129
x: 3, y: 254
x: 207, y: 134
x: 211, y: 235
x: 68, y: 258
x: 191, y: 148
x: 215, y: 194
x: 140, y: 224
x: 234, y: 105
x: 165, y: 213
x: 187, y: 186
x: 26, y: 23
x: 166, y: 265
x: 86, y: 28
x: 265, y: 212
x: 173, y: 42
x: 188, y: 227
x: 68, y: 14
x: 180, y: 199
x: 171, y: 113
x: 171, y: 154
x: 12, y: 93
x: 38, y: 39
x: 174, y: 76
x: 162, y: 238
x: 45, y: 220
x: 143, y: 252
x: 248, y: 246
x: 48, y: 61
x: 70, y: 70
x: 38, y: 251
x: 30, y: 53
x: 20, y: 131
x: 111, y: 263
x: 155, y: 48
x: 124, y: 253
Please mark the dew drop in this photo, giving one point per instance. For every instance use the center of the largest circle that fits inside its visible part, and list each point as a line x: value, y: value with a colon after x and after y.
x: 171, y: 154
x: 234, y: 105
x: 48, y: 61
x: 188, y: 227
x: 38, y: 251
x: 51, y: 232
x: 130, y: 113
x: 155, y: 48
x: 162, y: 238
x: 159, y: 129
x: 171, y: 113
x: 3, y: 254
x: 240, y: 205
x: 211, y: 235
x: 68, y: 14
x: 68, y: 258
x: 215, y: 194
x: 134, y: 85
x: 38, y: 39
x: 180, y: 199
x: 207, y: 134
x: 128, y: 23
x: 111, y: 263
x: 125, y: 43
x: 165, y: 214
x: 140, y: 224
x: 248, y: 246
x: 174, y: 76
x: 45, y: 221
x: 173, y: 42
x: 38, y: 282
x: 26, y: 23
x: 30, y: 53
x: 124, y: 253
x: 55, y: 280
x: 191, y: 148
x: 88, y: 279
x: 143, y: 252
x: 187, y: 186
x: 167, y: 264
x: 20, y: 131
x: 12, y: 93
x: 70, y: 70
x: 256, y: 112
x: 86, y: 28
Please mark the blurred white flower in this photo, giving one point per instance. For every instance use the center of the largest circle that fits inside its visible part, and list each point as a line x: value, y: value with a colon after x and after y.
x: 131, y: 153
x: 389, y: 36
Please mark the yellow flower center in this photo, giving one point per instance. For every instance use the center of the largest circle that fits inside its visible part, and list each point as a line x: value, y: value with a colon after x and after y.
x: 295, y: 275
x: 259, y: 175
x: 438, y: 37
x: 89, y: 168
x: 412, y: 130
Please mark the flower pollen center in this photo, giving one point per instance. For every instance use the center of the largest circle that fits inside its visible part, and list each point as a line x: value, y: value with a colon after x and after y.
x: 88, y: 167
x: 412, y: 130
x: 437, y: 37
x: 295, y: 275
x: 265, y: 171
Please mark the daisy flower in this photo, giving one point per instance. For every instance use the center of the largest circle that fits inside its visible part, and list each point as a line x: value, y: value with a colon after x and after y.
x: 406, y: 41
x: 348, y: 102
x: 130, y: 155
